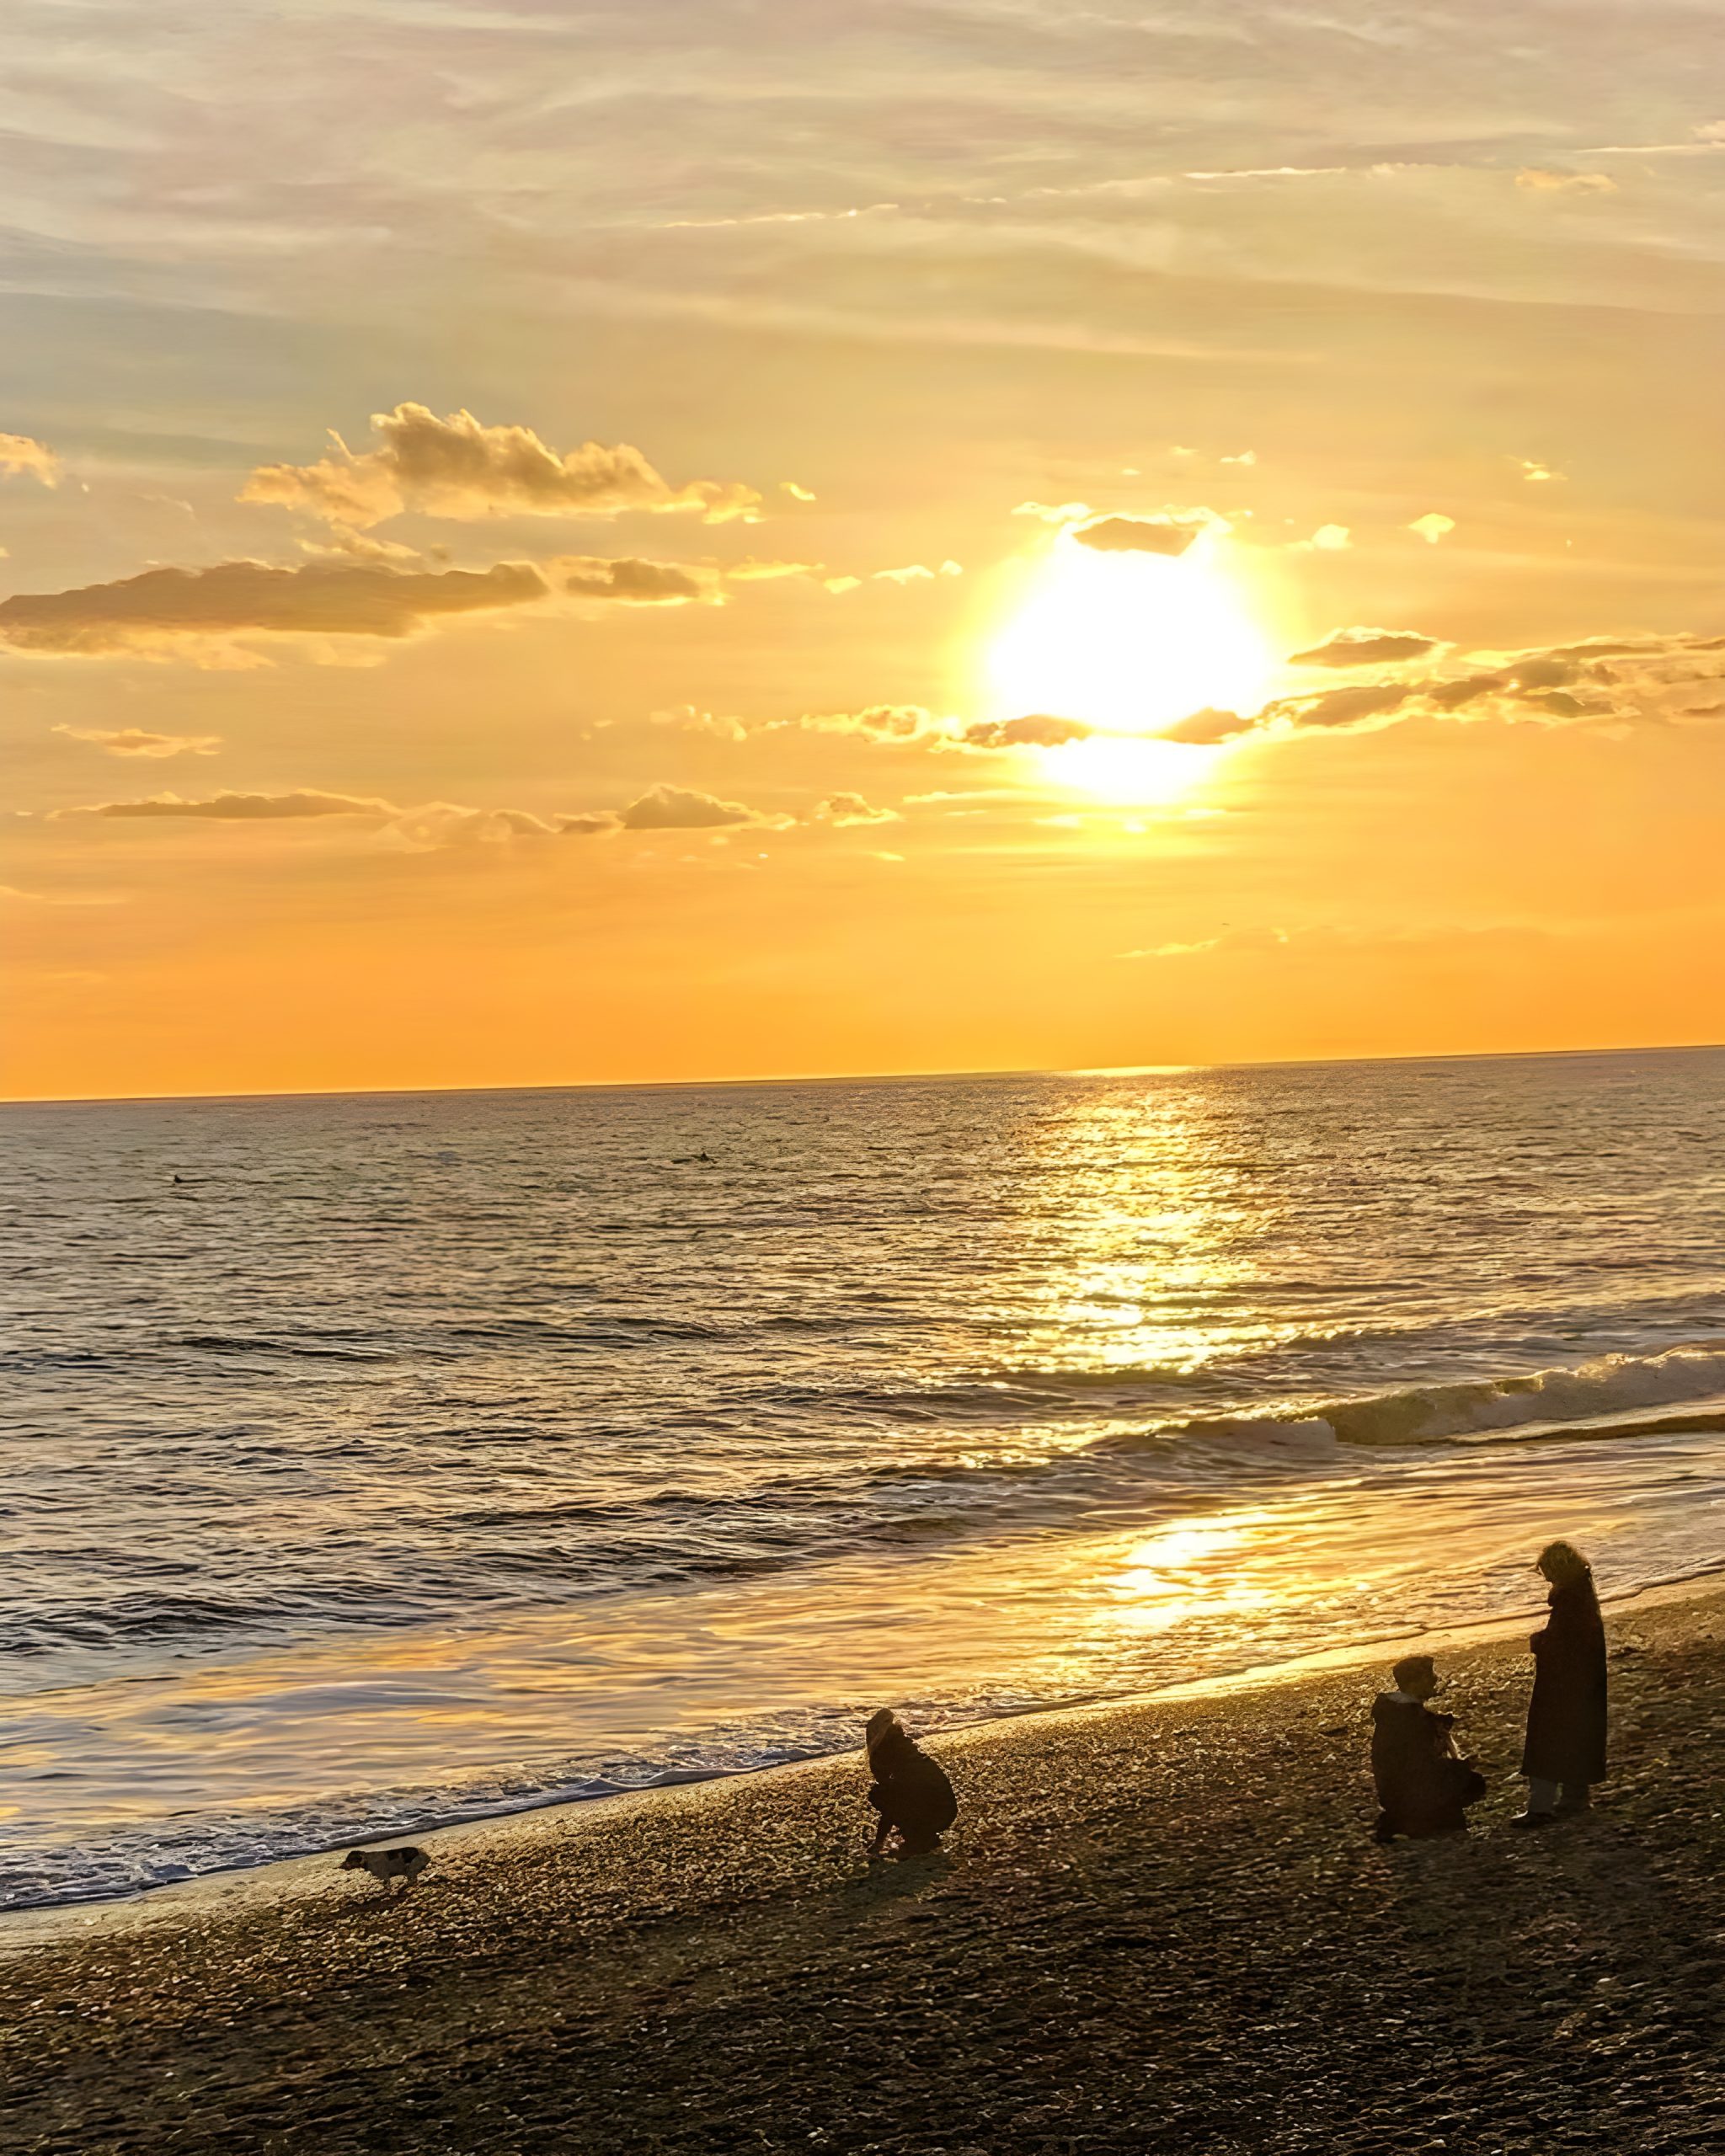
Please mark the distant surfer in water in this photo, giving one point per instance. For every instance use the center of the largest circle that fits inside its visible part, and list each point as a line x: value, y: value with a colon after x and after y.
x: 910, y: 1791
x: 1565, y: 1751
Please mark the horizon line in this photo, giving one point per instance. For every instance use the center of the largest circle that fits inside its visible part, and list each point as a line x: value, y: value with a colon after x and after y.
x: 860, y: 1077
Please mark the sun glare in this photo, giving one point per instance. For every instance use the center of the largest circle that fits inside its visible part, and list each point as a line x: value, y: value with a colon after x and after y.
x: 1128, y: 643
x: 1134, y: 771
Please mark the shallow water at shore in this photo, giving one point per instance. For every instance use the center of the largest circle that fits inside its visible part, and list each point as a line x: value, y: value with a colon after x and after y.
x: 414, y: 1458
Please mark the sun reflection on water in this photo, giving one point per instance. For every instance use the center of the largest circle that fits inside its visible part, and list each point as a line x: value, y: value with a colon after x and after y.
x: 1154, y: 1254
x: 1171, y: 1577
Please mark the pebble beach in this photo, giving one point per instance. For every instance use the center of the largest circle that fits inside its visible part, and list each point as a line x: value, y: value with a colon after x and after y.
x: 1156, y: 1925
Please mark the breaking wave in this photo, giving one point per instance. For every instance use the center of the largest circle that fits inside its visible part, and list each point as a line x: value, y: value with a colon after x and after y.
x: 1611, y: 1396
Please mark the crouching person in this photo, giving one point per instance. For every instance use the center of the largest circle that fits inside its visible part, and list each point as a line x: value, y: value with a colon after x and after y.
x: 1423, y: 1787
x: 909, y: 1790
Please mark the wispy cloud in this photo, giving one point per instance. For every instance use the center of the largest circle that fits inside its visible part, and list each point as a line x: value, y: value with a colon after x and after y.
x: 237, y: 808
x: 136, y: 741
x: 160, y: 606
x: 1540, y: 179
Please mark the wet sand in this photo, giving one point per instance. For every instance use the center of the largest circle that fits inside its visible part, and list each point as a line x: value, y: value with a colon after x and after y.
x: 1157, y: 1926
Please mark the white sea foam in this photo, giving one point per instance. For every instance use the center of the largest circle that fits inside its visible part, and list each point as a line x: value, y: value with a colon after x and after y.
x: 436, y: 1452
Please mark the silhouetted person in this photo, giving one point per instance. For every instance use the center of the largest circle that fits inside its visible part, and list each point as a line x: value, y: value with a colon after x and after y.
x: 910, y: 1791
x: 1566, y: 1718
x: 1424, y: 1788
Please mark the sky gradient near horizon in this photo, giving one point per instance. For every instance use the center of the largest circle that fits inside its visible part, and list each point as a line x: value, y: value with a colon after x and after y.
x: 551, y: 542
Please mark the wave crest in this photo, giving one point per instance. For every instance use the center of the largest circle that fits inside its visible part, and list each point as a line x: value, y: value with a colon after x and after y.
x: 1611, y: 1396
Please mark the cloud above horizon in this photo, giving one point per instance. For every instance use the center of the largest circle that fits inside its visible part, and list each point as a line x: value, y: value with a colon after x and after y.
x: 900, y: 725
x: 683, y: 808
x: 319, y: 598
x: 1035, y: 730
x: 237, y: 808
x: 634, y: 582
x: 437, y: 824
x: 1169, y: 533
x: 1608, y: 681
x: 1541, y: 179
x: 137, y: 741
x: 844, y: 811
x: 1361, y: 647
x: 20, y: 455
x: 459, y: 468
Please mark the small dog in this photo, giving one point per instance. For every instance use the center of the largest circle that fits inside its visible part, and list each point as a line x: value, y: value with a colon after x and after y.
x: 386, y: 1865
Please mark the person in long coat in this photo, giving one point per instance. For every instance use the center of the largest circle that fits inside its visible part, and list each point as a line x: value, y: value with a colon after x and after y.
x: 909, y: 1790
x: 1565, y: 1752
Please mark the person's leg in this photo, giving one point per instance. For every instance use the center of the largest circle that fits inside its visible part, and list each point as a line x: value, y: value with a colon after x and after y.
x: 1541, y: 1803
x: 1575, y: 1797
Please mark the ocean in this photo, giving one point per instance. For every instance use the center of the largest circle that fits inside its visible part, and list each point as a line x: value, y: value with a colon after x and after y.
x: 377, y: 1461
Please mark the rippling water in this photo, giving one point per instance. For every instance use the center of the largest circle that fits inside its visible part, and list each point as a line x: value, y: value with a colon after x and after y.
x: 377, y: 1459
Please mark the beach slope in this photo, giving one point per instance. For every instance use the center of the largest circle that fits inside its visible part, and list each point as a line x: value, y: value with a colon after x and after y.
x: 1162, y: 1926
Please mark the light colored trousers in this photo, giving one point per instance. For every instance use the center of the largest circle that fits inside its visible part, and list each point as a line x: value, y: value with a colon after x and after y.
x: 1543, y: 1795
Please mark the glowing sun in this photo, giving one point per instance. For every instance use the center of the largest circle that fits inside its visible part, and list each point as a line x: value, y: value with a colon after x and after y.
x: 1127, y: 642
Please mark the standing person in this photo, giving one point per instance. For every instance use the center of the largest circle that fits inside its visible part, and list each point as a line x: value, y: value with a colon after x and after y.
x: 910, y: 1791
x: 1565, y: 1751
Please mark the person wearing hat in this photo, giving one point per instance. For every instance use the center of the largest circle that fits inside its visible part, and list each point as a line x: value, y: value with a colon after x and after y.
x: 1423, y: 1787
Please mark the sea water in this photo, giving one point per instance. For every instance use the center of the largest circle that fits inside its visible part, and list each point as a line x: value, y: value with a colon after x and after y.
x: 371, y: 1462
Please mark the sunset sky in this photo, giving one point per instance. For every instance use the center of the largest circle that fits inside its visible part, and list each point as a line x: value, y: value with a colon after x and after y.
x: 552, y: 543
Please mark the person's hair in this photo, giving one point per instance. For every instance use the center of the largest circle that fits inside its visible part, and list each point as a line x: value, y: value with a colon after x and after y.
x: 886, y: 1740
x: 1561, y: 1562
x: 1411, y: 1665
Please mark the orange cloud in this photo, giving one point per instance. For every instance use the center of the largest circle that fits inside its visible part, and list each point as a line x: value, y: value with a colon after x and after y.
x: 459, y: 468
x: 637, y: 583
x: 1036, y: 730
x: 664, y: 808
x: 19, y: 454
x: 134, y: 741
x: 1366, y: 648
x: 843, y: 810
x: 238, y: 807
x: 1572, y: 681
x: 1540, y: 179
x: 679, y: 808
x: 320, y: 598
x: 1171, y: 532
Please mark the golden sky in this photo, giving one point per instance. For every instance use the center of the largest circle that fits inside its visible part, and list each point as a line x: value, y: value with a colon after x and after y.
x: 557, y: 541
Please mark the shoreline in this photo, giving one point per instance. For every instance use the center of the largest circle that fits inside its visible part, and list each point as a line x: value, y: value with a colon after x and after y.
x: 1161, y: 1924
x: 228, y: 1887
